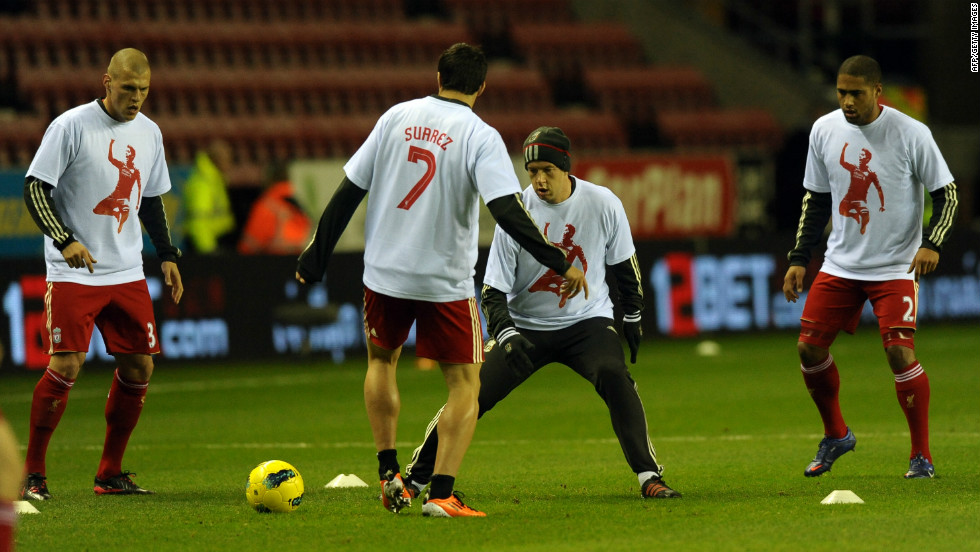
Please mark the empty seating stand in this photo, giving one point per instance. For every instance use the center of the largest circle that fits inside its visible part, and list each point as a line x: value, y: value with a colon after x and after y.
x: 638, y: 93
x: 563, y: 50
x: 20, y: 135
x: 589, y: 131
x: 42, y: 44
x: 746, y: 128
x: 260, y: 139
x: 492, y: 20
x: 220, y: 10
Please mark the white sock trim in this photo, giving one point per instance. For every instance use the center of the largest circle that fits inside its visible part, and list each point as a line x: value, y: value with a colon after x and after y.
x: 131, y: 384
x: 819, y: 367
x: 913, y: 372
x: 59, y: 378
x: 642, y: 477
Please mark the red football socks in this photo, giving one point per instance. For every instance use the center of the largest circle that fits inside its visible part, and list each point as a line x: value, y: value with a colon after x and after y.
x: 823, y: 383
x: 47, y: 407
x: 122, y: 412
x: 912, y: 388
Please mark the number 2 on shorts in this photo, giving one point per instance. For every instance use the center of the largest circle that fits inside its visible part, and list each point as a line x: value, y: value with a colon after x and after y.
x: 416, y: 154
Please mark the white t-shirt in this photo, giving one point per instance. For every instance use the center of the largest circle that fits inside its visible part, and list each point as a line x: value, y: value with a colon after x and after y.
x: 94, y: 186
x: 865, y: 242
x: 592, y: 228
x: 425, y: 166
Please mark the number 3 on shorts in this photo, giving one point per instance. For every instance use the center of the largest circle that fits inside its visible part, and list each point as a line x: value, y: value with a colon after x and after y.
x: 151, y: 335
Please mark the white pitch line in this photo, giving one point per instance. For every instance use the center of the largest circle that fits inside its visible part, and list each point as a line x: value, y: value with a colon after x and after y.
x: 497, y: 442
x: 164, y: 388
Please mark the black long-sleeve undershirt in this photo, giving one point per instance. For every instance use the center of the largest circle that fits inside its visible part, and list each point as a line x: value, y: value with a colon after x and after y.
x: 313, y: 260
x: 39, y: 199
x: 627, y: 275
x: 40, y: 204
x: 813, y: 220
x: 493, y: 302
x: 154, y: 219
x: 513, y: 218
x: 508, y: 211
x: 945, y: 206
x: 817, y: 210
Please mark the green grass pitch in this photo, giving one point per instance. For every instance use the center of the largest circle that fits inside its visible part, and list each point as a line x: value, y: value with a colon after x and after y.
x: 734, y: 432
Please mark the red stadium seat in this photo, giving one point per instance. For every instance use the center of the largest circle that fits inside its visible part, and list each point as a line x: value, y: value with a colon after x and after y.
x: 747, y: 128
x: 221, y: 10
x: 563, y: 50
x: 588, y: 131
x: 638, y: 93
x: 512, y: 88
x: 20, y: 137
x: 492, y: 19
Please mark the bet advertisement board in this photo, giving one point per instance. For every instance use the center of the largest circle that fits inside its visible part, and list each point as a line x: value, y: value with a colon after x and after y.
x: 243, y: 308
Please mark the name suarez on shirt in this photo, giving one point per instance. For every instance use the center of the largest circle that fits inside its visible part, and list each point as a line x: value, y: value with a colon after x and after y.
x: 426, y: 134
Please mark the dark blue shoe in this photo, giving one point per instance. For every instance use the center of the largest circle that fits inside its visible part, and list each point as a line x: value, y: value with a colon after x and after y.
x: 828, y: 452
x: 920, y: 468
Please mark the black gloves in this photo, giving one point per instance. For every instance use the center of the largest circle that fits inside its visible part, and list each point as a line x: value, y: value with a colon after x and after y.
x: 516, y: 349
x: 633, y: 334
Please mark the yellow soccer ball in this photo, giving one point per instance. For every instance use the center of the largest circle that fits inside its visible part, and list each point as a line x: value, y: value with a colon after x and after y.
x: 274, y: 486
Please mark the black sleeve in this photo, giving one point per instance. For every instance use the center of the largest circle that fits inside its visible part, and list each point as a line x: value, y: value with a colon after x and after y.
x: 338, y: 212
x: 154, y: 219
x: 945, y: 204
x: 40, y: 204
x: 627, y: 274
x: 813, y: 220
x: 493, y: 302
x: 513, y: 218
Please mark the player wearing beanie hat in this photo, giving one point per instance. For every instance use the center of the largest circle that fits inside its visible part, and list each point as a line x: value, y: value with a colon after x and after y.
x: 548, y: 144
x: 533, y: 326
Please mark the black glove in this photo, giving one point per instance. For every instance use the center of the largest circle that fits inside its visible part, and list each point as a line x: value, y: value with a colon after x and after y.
x: 516, y: 350
x: 633, y: 333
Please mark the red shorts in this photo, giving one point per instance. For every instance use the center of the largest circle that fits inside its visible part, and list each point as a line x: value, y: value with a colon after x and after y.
x: 445, y: 332
x: 123, y: 313
x: 834, y: 304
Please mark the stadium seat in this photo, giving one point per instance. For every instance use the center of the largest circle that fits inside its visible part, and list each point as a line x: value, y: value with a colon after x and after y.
x: 746, y: 128
x: 491, y: 20
x: 511, y: 88
x: 638, y: 93
x: 52, y: 92
x: 237, y: 44
x: 20, y: 136
x: 260, y: 139
x: 220, y: 10
x: 588, y: 131
x: 563, y: 49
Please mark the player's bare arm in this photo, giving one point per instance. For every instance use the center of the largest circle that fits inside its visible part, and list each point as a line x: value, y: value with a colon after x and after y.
x: 574, y: 283
x: 78, y: 256
x: 171, y: 277
x: 793, y: 283
x: 881, y: 193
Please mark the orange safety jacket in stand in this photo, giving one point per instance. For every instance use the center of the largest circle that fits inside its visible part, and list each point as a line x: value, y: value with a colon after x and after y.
x: 277, y: 225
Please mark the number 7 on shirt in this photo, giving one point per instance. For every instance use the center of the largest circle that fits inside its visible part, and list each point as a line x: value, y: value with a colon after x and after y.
x: 416, y: 154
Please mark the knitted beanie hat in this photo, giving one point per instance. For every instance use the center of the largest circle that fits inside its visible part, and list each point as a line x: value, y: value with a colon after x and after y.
x: 548, y: 144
